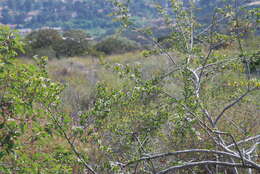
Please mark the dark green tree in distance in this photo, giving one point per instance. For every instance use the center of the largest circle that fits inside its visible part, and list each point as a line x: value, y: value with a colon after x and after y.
x: 73, y: 43
x: 43, y: 38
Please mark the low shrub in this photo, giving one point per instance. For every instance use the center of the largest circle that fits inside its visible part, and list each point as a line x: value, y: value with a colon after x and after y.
x: 255, y: 62
x: 116, y: 45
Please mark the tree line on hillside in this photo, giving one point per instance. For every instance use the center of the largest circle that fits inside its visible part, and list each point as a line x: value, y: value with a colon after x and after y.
x: 71, y: 43
x: 88, y: 14
x: 33, y: 13
x: 56, y: 44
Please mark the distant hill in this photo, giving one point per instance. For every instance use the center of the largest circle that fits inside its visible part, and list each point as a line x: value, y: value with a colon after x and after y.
x: 91, y: 15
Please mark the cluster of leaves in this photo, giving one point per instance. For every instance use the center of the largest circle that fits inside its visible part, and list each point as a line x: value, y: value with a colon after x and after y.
x: 128, y: 121
x: 255, y: 61
x: 26, y: 97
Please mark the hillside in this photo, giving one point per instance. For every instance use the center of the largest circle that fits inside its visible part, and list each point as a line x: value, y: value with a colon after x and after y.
x: 90, y: 15
x: 65, y: 14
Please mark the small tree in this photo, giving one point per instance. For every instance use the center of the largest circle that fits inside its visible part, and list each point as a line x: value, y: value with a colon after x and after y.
x: 196, y: 121
x: 73, y: 43
x: 43, y: 38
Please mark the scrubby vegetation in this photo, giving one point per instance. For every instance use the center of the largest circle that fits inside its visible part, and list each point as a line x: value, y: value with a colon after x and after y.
x: 116, y: 45
x: 189, y: 105
x: 55, y: 44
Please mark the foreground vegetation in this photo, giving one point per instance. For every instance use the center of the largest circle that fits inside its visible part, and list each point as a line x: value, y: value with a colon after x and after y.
x: 191, y: 107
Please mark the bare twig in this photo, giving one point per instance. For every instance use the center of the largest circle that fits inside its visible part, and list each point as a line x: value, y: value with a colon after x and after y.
x: 158, y: 45
x: 56, y: 121
x: 141, y: 144
x: 252, y: 149
x: 211, y: 25
x: 231, y: 105
x: 216, y: 63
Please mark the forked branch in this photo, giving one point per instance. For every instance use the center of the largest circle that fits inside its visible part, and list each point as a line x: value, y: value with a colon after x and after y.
x: 204, y: 163
x: 163, y: 155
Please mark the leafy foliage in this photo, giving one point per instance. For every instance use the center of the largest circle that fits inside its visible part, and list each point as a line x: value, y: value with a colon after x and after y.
x: 26, y: 92
x: 74, y: 43
x: 116, y: 45
x: 159, y: 122
x: 70, y: 43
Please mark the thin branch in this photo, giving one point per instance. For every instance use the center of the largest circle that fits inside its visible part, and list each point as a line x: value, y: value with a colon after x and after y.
x: 169, y: 73
x: 234, y: 141
x: 158, y: 45
x: 235, y: 125
x: 240, y: 46
x: 221, y: 19
x: 211, y: 25
x: 210, y: 48
x: 209, y: 171
x: 163, y: 155
x: 204, y: 64
x: 252, y: 149
x: 204, y: 111
x: 216, y: 63
x: 203, y: 163
x: 196, y: 82
x: 143, y: 149
x: 231, y: 105
x: 257, y: 138
x: 70, y: 143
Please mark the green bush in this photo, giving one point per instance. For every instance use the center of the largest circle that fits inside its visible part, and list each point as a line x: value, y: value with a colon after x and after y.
x: 26, y: 94
x: 255, y: 61
x: 40, y: 42
x: 51, y: 43
x: 73, y: 43
x: 43, y: 38
x: 116, y: 45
